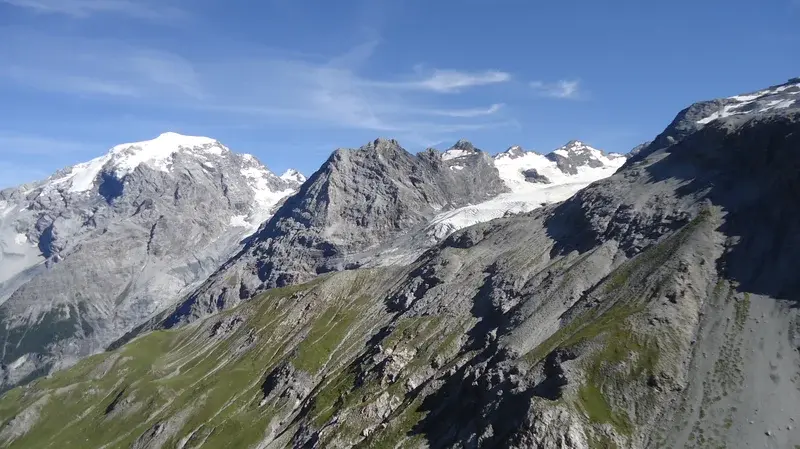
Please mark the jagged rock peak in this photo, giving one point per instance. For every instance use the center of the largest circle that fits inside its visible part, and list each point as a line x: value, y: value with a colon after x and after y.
x: 460, y: 149
x: 512, y: 152
x: 575, y: 154
x: 577, y: 147
x: 574, y: 145
x: 377, y: 147
x: 381, y: 143
x: 464, y: 145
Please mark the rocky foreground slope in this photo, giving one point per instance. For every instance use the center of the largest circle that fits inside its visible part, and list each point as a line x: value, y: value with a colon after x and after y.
x: 99, y: 247
x: 655, y: 308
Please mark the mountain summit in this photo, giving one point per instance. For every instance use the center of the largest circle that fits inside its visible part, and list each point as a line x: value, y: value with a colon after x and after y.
x: 576, y: 154
x: 121, y: 160
x: 98, y: 247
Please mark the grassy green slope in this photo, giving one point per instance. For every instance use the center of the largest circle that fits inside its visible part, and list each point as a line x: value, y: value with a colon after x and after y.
x: 326, y: 361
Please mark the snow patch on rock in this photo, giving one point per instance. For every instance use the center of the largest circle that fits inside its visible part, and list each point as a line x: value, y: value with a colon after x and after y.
x: 240, y: 221
x: 455, y: 154
x: 766, y: 100
x: 265, y: 198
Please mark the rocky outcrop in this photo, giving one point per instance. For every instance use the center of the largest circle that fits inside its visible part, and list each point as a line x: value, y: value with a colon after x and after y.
x: 532, y: 175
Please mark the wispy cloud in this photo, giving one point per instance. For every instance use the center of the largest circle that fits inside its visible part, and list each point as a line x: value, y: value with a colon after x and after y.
x: 86, y: 8
x: 167, y: 70
x: 449, y: 81
x: 96, y: 68
x: 269, y: 88
x: 466, y: 113
x: 69, y: 83
x: 565, y: 89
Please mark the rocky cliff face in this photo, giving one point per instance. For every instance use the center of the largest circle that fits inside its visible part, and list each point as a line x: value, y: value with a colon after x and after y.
x: 655, y: 308
x: 99, y: 247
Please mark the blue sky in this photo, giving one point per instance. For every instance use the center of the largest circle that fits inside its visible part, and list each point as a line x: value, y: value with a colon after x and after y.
x: 291, y: 80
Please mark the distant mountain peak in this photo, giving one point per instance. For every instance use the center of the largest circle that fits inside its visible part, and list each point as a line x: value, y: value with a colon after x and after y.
x: 574, y: 145
x: 464, y: 144
x: 381, y: 142
x: 575, y: 154
x: 461, y: 148
x: 167, y: 143
x: 512, y: 152
x: 123, y: 159
x: 293, y: 175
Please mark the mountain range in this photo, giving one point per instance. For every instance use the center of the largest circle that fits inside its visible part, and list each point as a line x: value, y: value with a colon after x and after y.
x: 105, y: 248
x: 577, y: 299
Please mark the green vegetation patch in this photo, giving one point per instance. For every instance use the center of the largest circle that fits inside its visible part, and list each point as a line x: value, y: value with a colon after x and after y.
x: 203, y: 384
x: 327, y: 333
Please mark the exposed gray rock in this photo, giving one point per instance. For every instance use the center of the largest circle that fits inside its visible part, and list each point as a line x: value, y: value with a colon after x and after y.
x: 533, y: 176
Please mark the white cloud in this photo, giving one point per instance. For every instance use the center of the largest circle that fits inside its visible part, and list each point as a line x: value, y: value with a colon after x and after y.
x: 86, y: 8
x: 450, y: 81
x: 95, y: 68
x: 566, y: 89
x: 167, y: 70
x: 258, y: 88
x: 466, y: 113
x: 72, y: 83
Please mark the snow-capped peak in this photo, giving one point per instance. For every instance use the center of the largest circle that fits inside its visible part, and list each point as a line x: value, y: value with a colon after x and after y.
x: 576, y: 154
x: 293, y: 175
x: 125, y: 158
x: 460, y: 149
x: 513, y: 152
x: 158, y: 151
x: 572, y: 147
